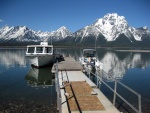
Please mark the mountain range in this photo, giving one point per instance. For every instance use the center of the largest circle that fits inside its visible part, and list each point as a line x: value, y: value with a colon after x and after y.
x: 111, y: 30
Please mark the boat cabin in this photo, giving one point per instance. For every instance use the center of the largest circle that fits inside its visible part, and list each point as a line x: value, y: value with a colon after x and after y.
x: 43, y: 48
x: 89, y: 53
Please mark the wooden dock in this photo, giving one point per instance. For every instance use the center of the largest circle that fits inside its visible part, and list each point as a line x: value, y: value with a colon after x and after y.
x: 78, y: 92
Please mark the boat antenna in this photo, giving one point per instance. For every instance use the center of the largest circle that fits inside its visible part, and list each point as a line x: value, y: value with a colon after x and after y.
x: 95, y: 41
x: 51, y: 40
x: 51, y: 37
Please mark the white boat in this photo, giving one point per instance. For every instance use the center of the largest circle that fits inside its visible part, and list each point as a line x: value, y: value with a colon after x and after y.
x: 40, y: 55
x: 89, y: 60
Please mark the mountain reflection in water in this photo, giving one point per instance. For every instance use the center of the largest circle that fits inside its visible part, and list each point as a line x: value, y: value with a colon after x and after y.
x: 12, y: 56
x: 115, y: 63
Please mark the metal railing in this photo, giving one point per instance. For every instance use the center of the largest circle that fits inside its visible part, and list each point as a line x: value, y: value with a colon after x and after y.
x: 59, y: 99
x: 99, y: 78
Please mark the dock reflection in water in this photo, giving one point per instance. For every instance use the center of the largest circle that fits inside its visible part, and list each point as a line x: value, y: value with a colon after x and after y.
x: 41, y: 77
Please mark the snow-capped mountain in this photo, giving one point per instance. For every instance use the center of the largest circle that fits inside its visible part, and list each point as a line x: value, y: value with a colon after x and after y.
x: 111, y: 30
x: 17, y: 33
x: 60, y: 34
x: 24, y: 34
x: 138, y: 33
x: 111, y: 26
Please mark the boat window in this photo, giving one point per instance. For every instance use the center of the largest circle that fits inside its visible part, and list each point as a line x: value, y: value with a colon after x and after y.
x: 31, y: 50
x: 89, y: 53
x: 39, y: 50
x: 48, y: 49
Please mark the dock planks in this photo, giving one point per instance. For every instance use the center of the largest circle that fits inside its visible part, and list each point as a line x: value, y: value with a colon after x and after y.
x: 80, y: 97
x: 69, y: 64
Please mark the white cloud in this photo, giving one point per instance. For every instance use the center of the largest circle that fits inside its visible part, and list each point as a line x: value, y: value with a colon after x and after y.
x: 1, y: 20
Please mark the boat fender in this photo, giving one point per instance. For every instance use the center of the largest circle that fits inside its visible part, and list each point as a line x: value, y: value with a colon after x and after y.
x: 93, y: 93
x: 67, y: 94
x: 62, y: 87
x: 64, y: 81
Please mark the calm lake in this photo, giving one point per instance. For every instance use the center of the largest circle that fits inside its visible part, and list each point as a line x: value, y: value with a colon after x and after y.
x: 26, y: 89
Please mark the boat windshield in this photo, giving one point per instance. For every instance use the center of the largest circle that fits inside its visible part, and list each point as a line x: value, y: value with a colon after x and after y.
x: 89, y: 53
x: 31, y: 50
x: 39, y: 49
x: 48, y: 50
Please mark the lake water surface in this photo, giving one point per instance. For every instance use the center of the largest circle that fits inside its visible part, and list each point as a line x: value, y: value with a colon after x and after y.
x: 23, y: 88
x: 26, y: 89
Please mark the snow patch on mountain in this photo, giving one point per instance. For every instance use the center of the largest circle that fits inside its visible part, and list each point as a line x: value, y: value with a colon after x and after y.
x: 138, y: 33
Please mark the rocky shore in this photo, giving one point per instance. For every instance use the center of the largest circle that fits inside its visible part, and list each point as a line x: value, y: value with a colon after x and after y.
x: 28, y: 107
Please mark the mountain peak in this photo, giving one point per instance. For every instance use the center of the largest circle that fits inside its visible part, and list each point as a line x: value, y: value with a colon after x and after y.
x: 111, y: 25
x: 114, y: 17
x: 111, y: 14
x: 145, y: 27
x: 62, y: 28
x: 62, y: 32
x: 111, y: 18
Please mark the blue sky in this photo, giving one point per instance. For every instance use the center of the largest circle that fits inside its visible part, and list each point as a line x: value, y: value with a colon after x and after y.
x: 48, y: 15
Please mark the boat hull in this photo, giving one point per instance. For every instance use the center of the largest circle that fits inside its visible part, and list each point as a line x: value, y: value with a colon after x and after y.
x: 40, y: 60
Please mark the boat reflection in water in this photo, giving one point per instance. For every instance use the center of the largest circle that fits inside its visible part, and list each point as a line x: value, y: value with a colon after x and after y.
x: 41, y: 77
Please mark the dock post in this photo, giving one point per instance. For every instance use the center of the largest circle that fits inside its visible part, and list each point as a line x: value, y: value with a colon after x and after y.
x: 139, y: 98
x: 58, y: 89
x: 115, y: 89
x: 97, y: 79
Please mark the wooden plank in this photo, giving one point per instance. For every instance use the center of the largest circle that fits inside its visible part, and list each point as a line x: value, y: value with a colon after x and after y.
x: 69, y: 64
